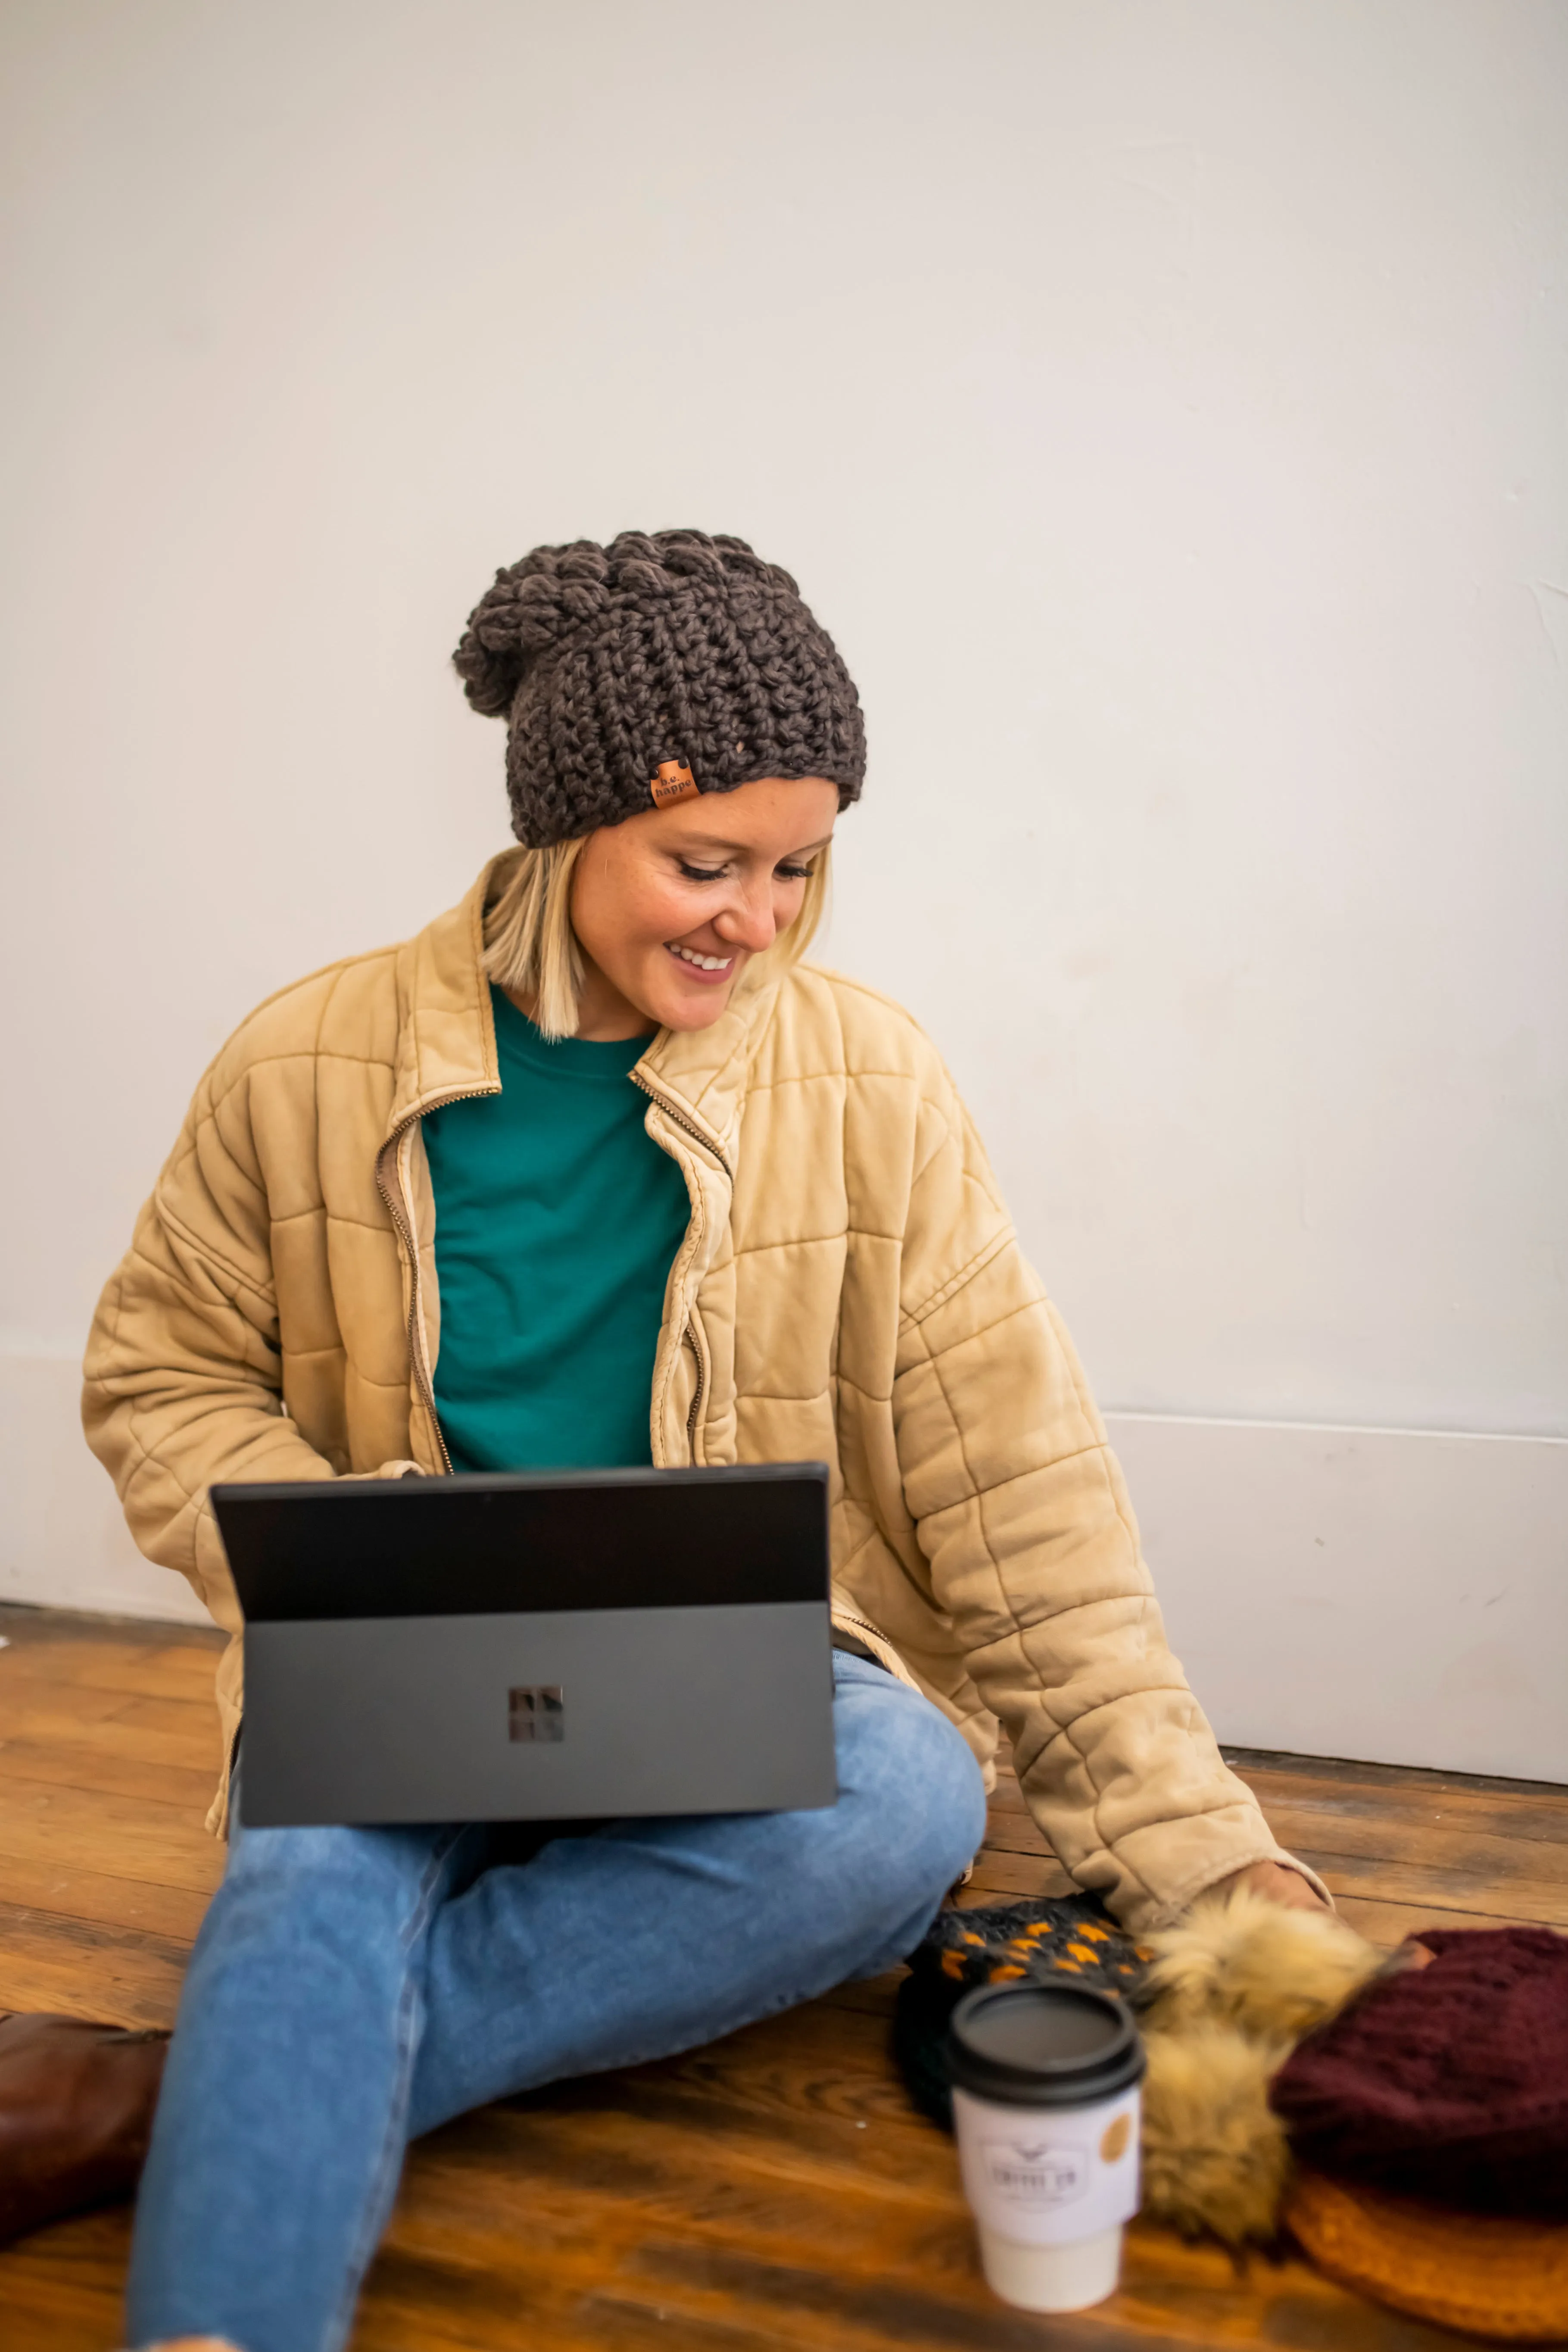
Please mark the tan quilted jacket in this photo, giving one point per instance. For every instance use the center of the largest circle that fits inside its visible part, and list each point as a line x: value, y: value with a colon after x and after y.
x: 849, y: 1290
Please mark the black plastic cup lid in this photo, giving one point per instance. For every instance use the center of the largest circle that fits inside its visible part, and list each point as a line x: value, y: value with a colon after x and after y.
x: 1041, y: 2045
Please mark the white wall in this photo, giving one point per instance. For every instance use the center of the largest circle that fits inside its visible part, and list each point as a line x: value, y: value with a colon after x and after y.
x: 1163, y: 405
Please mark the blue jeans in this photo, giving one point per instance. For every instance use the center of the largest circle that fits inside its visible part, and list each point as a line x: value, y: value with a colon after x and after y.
x: 350, y: 1988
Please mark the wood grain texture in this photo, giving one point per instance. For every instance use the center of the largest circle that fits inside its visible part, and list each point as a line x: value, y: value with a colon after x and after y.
x: 773, y: 2193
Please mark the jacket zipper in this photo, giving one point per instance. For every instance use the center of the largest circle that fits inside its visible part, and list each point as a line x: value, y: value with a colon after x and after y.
x: 389, y: 1151
x: 671, y: 1112
x: 694, y: 1414
x: 863, y: 1625
x: 848, y: 1617
x: 681, y: 1119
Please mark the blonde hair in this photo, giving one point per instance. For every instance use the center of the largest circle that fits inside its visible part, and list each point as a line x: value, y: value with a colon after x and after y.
x: 532, y: 950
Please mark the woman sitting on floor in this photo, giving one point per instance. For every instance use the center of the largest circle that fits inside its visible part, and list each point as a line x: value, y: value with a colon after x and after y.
x: 596, y: 1170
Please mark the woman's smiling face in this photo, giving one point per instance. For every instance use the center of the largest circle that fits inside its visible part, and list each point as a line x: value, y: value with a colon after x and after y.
x: 670, y: 906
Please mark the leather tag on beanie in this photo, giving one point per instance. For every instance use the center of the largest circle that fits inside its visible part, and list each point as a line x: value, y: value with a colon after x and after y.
x: 672, y: 782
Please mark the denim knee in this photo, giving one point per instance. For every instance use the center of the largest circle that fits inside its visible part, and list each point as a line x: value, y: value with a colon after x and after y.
x: 368, y: 1861
x: 329, y: 1887
x: 913, y: 1795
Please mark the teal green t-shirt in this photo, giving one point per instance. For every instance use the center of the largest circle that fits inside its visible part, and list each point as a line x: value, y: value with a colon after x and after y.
x: 557, y: 1221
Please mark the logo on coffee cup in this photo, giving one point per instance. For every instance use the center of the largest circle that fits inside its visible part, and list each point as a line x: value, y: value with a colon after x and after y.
x: 1118, y: 2132
x: 1031, y: 2172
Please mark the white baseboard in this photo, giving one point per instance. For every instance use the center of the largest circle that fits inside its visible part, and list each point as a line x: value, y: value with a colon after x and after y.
x: 1399, y: 1596
x: 1395, y: 1595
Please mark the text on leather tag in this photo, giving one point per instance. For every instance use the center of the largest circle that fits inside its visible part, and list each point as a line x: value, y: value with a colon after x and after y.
x: 672, y: 781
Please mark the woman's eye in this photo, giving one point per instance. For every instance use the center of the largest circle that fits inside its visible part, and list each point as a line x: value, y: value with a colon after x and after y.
x: 784, y: 873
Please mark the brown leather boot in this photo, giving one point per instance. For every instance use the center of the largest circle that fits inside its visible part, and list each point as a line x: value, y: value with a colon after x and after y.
x: 75, y: 2108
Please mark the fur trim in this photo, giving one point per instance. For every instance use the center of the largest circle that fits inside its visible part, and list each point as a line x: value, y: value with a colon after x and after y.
x: 1271, y: 1972
x: 1232, y: 1990
x: 1215, y: 2153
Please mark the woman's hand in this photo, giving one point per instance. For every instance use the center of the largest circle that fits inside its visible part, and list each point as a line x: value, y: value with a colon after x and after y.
x: 1275, y: 1882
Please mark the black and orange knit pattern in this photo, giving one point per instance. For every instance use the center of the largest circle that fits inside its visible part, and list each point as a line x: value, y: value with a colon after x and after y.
x: 664, y: 646
x: 1059, y: 1939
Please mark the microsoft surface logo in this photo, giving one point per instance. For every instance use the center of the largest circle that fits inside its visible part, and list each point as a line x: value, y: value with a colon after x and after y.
x: 536, y: 1711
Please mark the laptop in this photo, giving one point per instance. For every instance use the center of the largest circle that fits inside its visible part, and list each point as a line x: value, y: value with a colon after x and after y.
x: 562, y: 1646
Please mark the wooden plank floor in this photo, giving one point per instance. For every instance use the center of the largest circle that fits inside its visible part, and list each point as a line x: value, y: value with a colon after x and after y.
x: 776, y: 2190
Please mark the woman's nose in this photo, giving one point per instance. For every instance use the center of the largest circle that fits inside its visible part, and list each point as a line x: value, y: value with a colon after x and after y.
x: 748, y: 920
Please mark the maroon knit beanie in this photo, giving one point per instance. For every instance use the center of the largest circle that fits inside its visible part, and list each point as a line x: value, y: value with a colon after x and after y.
x: 1448, y: 2082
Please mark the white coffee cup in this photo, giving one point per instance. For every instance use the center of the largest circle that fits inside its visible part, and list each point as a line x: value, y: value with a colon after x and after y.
x: 1045, y: 2104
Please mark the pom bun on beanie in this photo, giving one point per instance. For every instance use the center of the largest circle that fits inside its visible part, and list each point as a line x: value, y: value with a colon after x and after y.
x: 664, y: 664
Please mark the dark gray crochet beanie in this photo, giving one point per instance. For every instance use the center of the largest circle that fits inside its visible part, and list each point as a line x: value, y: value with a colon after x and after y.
x: 664, y: 664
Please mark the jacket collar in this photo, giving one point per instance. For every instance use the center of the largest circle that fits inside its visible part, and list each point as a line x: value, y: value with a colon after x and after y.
x: 446, y: 1045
